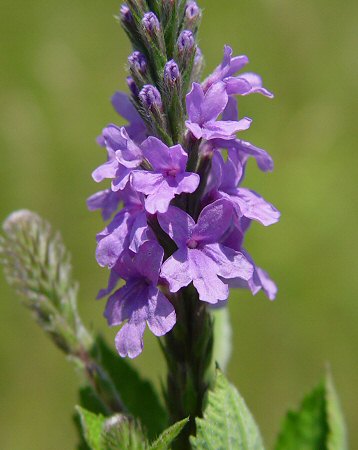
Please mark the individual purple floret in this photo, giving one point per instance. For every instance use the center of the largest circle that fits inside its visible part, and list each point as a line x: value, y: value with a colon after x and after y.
x: 201, y: 257
x: 192, y: 11
x: 137, y: 62
x: 204, y: 108
x: 168, y: 178
x: 107, y: 201
x: 139, y: 301
x: 247, y: 203
x: 246, y: 83
x: 127, y: 231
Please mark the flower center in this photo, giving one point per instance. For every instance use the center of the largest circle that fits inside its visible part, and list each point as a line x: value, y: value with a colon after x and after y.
x: 192, y: 243
x: 171, y: 172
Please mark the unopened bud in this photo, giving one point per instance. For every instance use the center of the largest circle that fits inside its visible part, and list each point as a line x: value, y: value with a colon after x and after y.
x: 151, y: 23
x: 137, y: 63
x: 132, y: 86
x: 125, y: 14
x: 186, y: 41
x: 171, y: 72
x: 192, y: 12
x: 150, y: 97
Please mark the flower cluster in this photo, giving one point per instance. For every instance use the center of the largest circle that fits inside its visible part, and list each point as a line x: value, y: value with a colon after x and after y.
x: 176, y: 169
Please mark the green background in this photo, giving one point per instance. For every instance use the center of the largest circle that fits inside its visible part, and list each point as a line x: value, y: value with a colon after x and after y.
x: 59, y: 64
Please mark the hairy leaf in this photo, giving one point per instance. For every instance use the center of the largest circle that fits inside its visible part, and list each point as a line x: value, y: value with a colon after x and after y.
x: 92, y: 426
x: 168, y: 436
x: 227, y: 422
x: 318, y: 423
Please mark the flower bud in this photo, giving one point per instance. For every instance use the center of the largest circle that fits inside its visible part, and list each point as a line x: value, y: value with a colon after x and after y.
x: 150, y: 97
x: 151, y: 23
x: 125, y: 14
x: 186, y: 41
x: 132, y: 86
x: 171, y: 73
x: 137, y: 63
x: 192, y: 16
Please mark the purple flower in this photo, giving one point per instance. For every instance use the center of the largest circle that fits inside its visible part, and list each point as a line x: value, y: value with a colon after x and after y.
x: 125, y: 156
x: 127, y: 231
x: 246, y: 83
x: 247, y: 203
x: 139, y: 302
x: 107, y: 201
x: 201, y: 258
x: 123, y: 106
x: 260, y: 279
x: 168, y: 177
x: 204, y: 108
x: 125, y: 14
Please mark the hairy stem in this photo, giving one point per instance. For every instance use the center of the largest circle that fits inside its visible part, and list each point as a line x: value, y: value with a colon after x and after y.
x: 188, y: 350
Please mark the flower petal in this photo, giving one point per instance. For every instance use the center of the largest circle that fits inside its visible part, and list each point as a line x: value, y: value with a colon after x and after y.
x: 256, y: 208
x: 129, y: 340
x: 213, y: 221
x: 194, y: 101
x: 177, y: 224
x: 175, y: 270
x: 214, y: 102
x: 230, y: 263
x: 161, y: 317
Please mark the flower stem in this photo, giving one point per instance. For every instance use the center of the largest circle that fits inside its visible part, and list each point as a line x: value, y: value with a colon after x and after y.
x: 188, y: 351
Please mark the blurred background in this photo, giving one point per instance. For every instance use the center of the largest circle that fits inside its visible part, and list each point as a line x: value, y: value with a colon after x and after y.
x: 60, y: 63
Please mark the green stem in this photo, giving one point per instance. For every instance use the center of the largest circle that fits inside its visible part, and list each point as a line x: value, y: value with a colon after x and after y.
x: 188, y: 351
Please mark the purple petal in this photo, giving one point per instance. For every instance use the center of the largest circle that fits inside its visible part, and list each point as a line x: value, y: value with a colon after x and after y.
x: 236, y: 64
x: 179, y: 158
x: 112, y: 241
x: 237, y: 86
x: 187, y: 182
x: 106, y: 170
x: 196, y: 129
x: 203, y: 271
x: 177, y: 224
x: 148, y: 261
x: 263, y: 159
x: 157, y: 153
x: 213, y: 222
x: 146, y: 182
x: 112, y: 282
x: 175, y: 270
x: 230, y: 263
x: 224, y: 129
x: 159, y: 201
x: 124, y: 107
x: 214, y: 103
x: 140, y: 232
x: 256, y: 84
x: 161, y: 314
x: 121, y: 178
x: 256, y: 208
x: 231, y: 111
x: 194, y: 101
x: 106, y: 200
x: 129, y: 340
x: 268, y: 285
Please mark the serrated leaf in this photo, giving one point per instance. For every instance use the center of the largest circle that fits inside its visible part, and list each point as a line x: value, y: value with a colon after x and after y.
x: 318, y: 423
x: 222, y: 337
x: 92, y: 426
x: 227, y: 422
x: 168, y: 436
x: 138, y: 394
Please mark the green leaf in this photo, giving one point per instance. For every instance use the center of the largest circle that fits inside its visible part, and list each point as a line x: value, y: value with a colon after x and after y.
x: 137, y: 394
x: 167, y: 437
x: 92, y: 426
x: 222, y: 337
x: 337, y: 435
x: 318, y: 423
x: 227, y: 422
